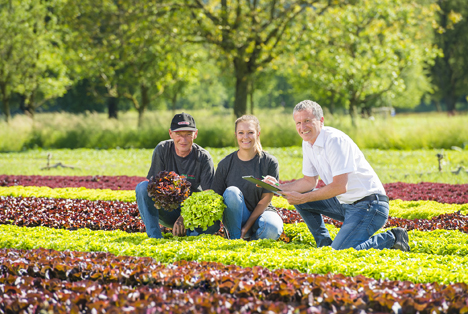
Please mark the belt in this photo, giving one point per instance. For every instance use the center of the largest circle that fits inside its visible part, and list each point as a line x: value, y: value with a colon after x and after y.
x: 373, y: 197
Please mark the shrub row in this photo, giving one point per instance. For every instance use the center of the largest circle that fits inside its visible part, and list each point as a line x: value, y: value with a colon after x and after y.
x: 439, y: 192
x: 47, y: 273
x: 436, y: 256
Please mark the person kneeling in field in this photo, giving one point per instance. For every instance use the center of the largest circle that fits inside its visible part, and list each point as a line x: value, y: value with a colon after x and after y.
x: 353, y: 193
x: 181, y: 155
x: 249, y: 213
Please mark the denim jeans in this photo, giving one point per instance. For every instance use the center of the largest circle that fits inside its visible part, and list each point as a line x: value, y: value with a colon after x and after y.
x: 152, y: 216
x: 268, y: 225
x: 360, y: 222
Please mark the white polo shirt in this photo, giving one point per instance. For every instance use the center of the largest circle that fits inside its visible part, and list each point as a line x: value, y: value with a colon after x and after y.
x: 335, y: 153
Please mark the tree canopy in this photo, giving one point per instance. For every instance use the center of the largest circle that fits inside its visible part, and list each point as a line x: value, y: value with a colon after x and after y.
x: 347, y: 54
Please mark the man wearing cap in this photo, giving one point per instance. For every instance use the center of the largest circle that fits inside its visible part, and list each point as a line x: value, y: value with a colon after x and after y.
x: 181, y: 155
x: 353, y: 192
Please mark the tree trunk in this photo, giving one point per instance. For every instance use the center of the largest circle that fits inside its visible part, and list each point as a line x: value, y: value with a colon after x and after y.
x: 22, y: 104
x: 31, y: 105
x: 451, y: 101
x: 144, y: 103
x: 331, y: 107
x: 113, y: 107
x: 6, y: 103
x: 174, y: 102
x: 242, y: 85
x: 251, y: 96
x: 353, y: 113
x: 438, y: 107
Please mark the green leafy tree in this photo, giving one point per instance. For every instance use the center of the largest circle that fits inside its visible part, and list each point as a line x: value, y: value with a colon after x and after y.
x: 450, y: 71
x: 130, y: 45
x: 360, y: 53
x: 31, y: 53
x: 206, y: 88
x: 250, y: 34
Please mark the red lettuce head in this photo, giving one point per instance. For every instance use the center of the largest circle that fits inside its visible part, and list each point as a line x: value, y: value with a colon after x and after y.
x: 168, y: 190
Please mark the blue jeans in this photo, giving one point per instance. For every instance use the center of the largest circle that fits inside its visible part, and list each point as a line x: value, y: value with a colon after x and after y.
x: 268, y: 225
x: 360, y: 222
x: 152, y: 216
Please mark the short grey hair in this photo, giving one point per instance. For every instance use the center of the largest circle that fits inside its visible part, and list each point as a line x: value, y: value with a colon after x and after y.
x: 309, y: 105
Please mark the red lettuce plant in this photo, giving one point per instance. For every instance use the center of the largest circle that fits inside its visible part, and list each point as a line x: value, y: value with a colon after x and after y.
x: 42, y: 280
x: 168, y: 190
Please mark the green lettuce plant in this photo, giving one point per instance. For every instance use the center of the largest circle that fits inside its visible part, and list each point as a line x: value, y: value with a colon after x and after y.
x: 202, y: 209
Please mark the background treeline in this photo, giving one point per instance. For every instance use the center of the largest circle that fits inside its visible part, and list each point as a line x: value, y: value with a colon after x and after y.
x: 114, y: 56
x: 216, y: 130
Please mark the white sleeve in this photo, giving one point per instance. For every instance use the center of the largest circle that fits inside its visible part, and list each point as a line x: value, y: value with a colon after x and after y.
x: 340, y: 154
x: 308, y: 168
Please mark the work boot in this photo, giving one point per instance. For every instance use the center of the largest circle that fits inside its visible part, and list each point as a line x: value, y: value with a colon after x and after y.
x: 401, y: 239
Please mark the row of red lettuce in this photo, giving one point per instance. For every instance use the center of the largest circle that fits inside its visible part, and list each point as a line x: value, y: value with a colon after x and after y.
x: 439, y: 192
x: 73, y: 282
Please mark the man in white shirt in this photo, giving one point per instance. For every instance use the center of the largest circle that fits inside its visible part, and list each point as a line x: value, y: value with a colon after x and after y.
x: 353, y: 193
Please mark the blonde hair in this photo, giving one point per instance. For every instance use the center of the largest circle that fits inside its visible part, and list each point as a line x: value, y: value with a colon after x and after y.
x: 249, y: 118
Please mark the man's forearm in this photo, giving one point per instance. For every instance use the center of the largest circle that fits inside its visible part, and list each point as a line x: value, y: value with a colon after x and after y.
x: 301, y: 185
x: 323, y: 193
x: 337, y: 187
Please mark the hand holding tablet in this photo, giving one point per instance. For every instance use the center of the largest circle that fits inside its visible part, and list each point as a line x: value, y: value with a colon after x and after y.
x: 264, y: 185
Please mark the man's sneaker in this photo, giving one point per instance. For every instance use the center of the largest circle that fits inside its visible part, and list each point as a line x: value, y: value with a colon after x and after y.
x: 401, y: 239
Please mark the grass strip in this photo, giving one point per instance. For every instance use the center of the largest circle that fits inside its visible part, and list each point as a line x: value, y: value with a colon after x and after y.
x: 379, y: 264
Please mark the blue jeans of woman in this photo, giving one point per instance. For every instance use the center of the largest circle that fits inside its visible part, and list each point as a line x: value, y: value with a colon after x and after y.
x: 268, y: 225
x: 152, y: 216
x: 360, y: 222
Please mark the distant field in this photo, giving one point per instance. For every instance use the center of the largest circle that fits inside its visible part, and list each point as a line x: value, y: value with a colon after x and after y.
x: 216, y: 129
x: 391, y: 165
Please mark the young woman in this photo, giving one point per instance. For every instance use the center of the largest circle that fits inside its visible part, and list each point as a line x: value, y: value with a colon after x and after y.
x: 249, y: 213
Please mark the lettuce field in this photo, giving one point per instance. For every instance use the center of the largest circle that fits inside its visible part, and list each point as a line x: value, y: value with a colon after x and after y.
x: 76, y: 244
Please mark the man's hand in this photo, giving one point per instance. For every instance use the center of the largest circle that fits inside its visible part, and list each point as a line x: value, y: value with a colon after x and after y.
x: 243, y: 232
x: 294, y: 198
x: 179, y: 229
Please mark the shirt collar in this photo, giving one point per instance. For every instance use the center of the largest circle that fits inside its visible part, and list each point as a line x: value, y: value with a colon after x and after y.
x: 319, y: 141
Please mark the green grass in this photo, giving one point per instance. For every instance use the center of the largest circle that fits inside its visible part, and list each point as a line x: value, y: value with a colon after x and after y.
x: 391, y: 165
x: 216, y: 129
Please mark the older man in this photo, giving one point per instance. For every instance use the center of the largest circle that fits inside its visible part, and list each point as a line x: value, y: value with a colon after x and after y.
x: 181, y: 155
x: 353, y: 193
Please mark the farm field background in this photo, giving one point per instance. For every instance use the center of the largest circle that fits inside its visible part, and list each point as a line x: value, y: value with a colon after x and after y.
x: 391, y: 165
x: 91, y: 238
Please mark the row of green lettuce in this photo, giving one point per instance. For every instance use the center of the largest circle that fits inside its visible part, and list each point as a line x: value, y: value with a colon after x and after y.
x: 398, y: 208
x: 436, y: 256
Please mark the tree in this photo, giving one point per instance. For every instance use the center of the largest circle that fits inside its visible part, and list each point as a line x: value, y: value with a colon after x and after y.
x: 359, y: 53
x: 30, y: 53
x: 250, y: 34
x: 450, y: 71
x: 130, y: 44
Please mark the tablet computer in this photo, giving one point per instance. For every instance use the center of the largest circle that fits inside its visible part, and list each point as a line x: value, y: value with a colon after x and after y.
x: 264, y: 185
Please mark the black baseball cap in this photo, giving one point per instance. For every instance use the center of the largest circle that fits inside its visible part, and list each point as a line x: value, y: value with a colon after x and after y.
x: 183, y: 122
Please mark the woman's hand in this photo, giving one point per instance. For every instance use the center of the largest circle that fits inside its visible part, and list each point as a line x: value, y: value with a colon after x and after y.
x: 270, y: 180
x: 179, y: 229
